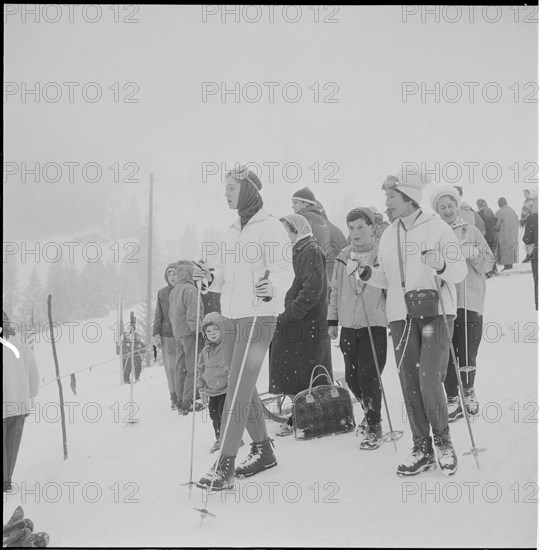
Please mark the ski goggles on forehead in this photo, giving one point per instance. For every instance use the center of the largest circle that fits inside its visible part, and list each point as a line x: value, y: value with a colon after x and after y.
x: 240, y: 173
x: 391, y: 182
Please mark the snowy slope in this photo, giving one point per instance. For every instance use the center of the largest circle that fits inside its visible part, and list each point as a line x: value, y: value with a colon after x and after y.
x: 121, y: 483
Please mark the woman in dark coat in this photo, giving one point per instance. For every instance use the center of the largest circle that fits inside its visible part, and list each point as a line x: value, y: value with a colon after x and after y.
x: 301, y: 340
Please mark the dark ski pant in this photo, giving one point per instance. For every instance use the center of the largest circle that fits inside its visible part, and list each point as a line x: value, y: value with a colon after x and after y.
x: 169, y: 354
x: 215, y: 408
x: 127, y: 368
x: 474, y: 330
x: 423, y: 370
x: 185, y: 368
x: 12, y: 432
x: 360, y: 368
x: 246, y: 411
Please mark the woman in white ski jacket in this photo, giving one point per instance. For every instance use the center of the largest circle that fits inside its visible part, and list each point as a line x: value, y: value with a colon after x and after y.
x: 428, y: 249
x: 255, y: 243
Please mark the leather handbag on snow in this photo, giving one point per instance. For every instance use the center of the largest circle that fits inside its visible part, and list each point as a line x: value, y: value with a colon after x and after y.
x: 322, y: 410
x: 422, y: 303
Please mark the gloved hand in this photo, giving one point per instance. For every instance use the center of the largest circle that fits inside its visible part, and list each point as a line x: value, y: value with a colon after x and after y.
x: 264, y: 289
x: 470, y: 251
x: 434, y: 259
x: 204, y: 397
x: 333, y: 331
x: 201, y: 273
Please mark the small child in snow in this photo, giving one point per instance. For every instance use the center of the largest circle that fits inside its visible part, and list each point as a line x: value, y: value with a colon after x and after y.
x: 212, y: 376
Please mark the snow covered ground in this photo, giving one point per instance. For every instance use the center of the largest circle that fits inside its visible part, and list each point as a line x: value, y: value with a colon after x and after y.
x: 121, y: 485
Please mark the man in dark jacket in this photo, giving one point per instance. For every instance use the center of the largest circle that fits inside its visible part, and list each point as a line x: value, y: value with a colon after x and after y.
x: 162, y: 333
x: 304, y: 203
x: 491, y: 233
x: 337, y: 241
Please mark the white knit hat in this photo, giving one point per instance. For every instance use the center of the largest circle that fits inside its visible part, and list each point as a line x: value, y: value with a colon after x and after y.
x: 442, y: 190
x: 412, y: 184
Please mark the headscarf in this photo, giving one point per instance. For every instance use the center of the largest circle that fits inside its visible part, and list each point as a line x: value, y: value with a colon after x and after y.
x: 249, y: 199
x: 300, y: 224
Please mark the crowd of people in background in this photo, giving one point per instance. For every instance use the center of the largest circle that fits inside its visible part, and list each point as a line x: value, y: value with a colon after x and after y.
x: 340, y: 285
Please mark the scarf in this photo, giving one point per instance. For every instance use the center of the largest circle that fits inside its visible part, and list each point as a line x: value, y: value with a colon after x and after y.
x: 363, y: 247
x: 249, y: 201
x: 300, y: 224
x: 459, y: 222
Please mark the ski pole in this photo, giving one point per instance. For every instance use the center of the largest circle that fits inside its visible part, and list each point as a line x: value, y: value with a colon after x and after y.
x: 392, y: 435
x: 466, y: 368
x: 474, y: 450
x: 190, y: 483
x: 203, y: 511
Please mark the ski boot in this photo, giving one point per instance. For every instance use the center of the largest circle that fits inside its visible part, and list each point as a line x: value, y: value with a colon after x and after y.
x: 223, y: 478
x: 454, y: 409
x: 362, y: 427
x: 447, y: 458
x: 372, y: 438
x: 421, y: 460
x: 470, y: 401
x: 260, y: 458
x: 285, y: 429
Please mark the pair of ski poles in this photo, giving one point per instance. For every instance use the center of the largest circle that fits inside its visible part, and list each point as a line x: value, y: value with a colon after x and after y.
x: 392, y: 435
x: 204, y: 511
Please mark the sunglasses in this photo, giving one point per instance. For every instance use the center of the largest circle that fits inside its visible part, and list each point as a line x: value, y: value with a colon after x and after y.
x: 391, y: 182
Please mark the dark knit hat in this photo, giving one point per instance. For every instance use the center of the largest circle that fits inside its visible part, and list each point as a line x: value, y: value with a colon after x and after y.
x: 305, y: 195
x: 360, y: 212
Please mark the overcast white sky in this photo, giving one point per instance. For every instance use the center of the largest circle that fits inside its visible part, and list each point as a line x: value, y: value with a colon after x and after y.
x: 368, y: 53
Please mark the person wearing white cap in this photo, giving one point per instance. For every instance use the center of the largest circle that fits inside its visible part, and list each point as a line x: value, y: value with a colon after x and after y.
x: 445, y: 200
x: 415, y: 250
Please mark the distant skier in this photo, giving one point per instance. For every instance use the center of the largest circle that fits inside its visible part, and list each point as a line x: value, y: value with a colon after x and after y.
x: 507, y: 226
x: 139, y: 350
x: 20, y: 385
